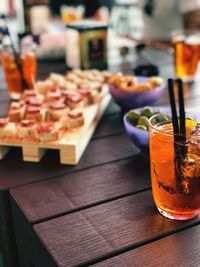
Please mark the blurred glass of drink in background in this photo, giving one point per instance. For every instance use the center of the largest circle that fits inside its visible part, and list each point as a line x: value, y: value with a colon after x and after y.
x: 19, y: 75
x: 186, y: 53
x: 72, y: 13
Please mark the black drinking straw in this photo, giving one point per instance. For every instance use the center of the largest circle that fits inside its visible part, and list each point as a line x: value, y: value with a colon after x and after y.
x: 181, y: 109
x: 179, y: 132
x: 173, y: 108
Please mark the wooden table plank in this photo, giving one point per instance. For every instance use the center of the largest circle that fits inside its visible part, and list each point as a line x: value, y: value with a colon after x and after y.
x: 77, y: 191
x: 115, y: 226
x: 72, y: 192
x: 99, y: 152
x: 7, y: 237
x: 180, y: 249
x: 110, y: 125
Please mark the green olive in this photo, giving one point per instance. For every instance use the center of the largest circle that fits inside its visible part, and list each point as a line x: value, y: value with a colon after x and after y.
x: 143, y: 121
x: 133, y: 116
x: 147, y: 112
x: 163, y: 118
x: 141, y: 127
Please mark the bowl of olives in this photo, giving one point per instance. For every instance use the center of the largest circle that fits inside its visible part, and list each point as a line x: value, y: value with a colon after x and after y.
x: 136, y: 125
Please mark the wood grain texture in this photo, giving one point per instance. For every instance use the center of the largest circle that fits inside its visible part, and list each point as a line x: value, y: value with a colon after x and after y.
x: 26, y: 241
x: 110, y: 125
x: 180, y: 249
x: 91, y: 234
x: 112, y: 109
x: 7, y: 237
x: 70, y: 192
x: 98, y: 152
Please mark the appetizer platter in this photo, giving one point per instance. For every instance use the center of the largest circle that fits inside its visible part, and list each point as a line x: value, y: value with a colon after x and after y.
x: 60, y: 113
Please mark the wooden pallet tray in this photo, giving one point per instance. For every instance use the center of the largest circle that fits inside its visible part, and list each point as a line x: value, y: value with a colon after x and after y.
x: 71, y: 145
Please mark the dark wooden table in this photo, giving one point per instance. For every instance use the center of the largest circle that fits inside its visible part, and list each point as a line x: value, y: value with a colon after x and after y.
x: 99, y: 212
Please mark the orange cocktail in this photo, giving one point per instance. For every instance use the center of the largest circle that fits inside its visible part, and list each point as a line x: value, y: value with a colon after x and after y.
x: 13, y: 75
x: 175, y: 177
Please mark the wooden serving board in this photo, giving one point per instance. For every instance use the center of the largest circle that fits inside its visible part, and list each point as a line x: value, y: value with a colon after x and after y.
x: 71, y: 145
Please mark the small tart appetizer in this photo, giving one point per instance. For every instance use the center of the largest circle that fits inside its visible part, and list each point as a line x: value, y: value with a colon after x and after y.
x: 35, y: 113
x: 54, y: 88
x: 75, y: 100
x: 42, y: 87
x: 28, y: 123
x: 30, y: 97
x: 28, y: 93
x: 89, y: 95
x: 53, y: 96
x: 73, y: 119
x: 66, y: 93
x: 48, y: 131
x: 67, y: 85
x: 36, y: 102
x: 4, y: 121
x: 56, y: 111
x: 71, y: 77
x: 25, y: 130
x: 57, y: 79
x: 7, y: 129
x: 17, y: 111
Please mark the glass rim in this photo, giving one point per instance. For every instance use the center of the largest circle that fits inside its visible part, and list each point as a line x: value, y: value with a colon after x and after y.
x: 156, y: 128
x: 192, y: 37
x: 184, y: 32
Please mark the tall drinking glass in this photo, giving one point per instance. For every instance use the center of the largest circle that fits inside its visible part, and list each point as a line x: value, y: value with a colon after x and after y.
x: 175, y: 176
x: 19, y: 68
x: 186, y: 53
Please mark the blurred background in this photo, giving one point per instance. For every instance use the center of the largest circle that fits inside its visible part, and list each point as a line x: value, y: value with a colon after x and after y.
x: 46, y: 20
x: 123, y: 15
